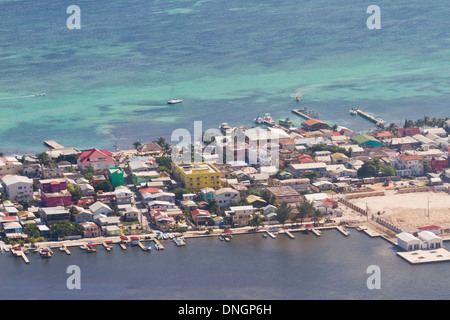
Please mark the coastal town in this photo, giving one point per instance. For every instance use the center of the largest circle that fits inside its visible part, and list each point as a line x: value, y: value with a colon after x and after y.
x: 392, y: 181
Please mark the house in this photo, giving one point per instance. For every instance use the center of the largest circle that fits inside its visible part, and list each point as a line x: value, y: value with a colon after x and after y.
x: 256, y: 201
x: 298, y: 169
x: 225, y: 196
x: 339, y: 158
x: 314, y: 124
x: 407, y: 165
x: 52, y: 215
x: 434, y: 229
x: 151, y: 148
x: 84, y: 216
x: 44, y: 231
x: 91, y: 230
x: 116, y: 176
x: 123, y: 195
x: 12, y: 227
x: 54, y: 192
x: 241, y: 215
x: 200, y: 216
x: 284, y: 194
x: 366, y: 141
x: 382, y: 136
x: 299, y: 185
x: 99, y: 160
x: 197, y: 176
x: 10, y: 165
x: 131, y: 214
x: 162, y: 205
x: 269, y: 209
x: 98, y: 208
x: 18, y: 187
x: 206, y: 194
x: 407, y: 132
x: 86, y: 189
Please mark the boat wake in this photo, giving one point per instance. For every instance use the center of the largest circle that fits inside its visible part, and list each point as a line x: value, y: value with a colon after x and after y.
x: 22, y: 97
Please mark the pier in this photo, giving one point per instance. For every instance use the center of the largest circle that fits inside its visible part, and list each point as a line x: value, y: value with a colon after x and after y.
x: 21, y: 254
x: 369, y: 117
x: 301, y: 113
x: 316, y: 232
x: 425, y: 256
x: 271, y: 234
x: 158, y: 244
x: 64, y: 248
x: 53, y: 144
x: 123, y: 246
x: 290, y: 235
x: 343, y: 231
x: 91, y: 247
x: 107, y: 246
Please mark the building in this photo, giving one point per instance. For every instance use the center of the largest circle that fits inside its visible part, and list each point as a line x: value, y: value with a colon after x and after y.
x: 197, y: 176
x: 91, y: 230
x: 18, y: 187
x: 10, y: 165
x: 99, y: 160
x: 366, y: 141
x: 285, y: 194
x: 54, y: 193
x: 314, y: 125
x: 116, y: 176
x: 123, y: 195
x: 226, y: 196
x: 408, y: 242
x: 298, y: 169
x: 98, y: 208
x: 241, y: 215
x: 299, y: 185
x: 430, y: 240
x: 52, y: 215
x: 408, y: 165
x: 201, y: 216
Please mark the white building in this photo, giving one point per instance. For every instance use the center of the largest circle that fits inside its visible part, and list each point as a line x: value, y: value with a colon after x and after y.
x: 9, y: 165
x: 98, y: 208
x: 408, y: 165
x: 430, y: 240
x: 225, y: 196
x: 241, y: 215
x: 408, y: 242
x: 123, y: 195
x: 18, y: 187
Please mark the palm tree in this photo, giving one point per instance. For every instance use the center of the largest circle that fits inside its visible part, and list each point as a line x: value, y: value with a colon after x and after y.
x: 137, y: 145
x: 305, y: 209
x: 256, y: 221
x: 316, y: 216
x: 283, y: 212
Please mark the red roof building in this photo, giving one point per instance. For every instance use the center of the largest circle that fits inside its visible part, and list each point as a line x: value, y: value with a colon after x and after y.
x: 314, y: 124
x: 99, y: 160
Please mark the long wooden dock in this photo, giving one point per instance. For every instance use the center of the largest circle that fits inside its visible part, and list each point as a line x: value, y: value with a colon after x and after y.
x: 290, y: 235
x: 123, y: 246
x: 64, y: 248
x: 21, y: 254
x: 53, y: 144
x: 271, y: 234
x: 369, y: 116
x: 316, y: 232
x: 158, y: 244
x: 107, y: 246
x: 301, y: 113
x: 343, y: 231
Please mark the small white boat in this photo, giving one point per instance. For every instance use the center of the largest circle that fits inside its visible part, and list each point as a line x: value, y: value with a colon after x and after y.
x: 353, y: 112
x: 174, y: 101
x: 82, y: 247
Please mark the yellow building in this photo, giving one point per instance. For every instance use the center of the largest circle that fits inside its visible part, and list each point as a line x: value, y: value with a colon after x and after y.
x: 196, y: 176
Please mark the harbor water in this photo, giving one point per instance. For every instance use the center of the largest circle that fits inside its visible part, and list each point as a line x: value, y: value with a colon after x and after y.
x: 250, y: 266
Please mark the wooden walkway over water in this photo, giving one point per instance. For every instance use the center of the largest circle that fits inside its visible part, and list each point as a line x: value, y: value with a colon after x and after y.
x: 53, y: 144
x: 369, y: 116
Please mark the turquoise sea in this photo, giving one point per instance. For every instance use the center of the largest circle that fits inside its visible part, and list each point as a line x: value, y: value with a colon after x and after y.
x: 108, y: 82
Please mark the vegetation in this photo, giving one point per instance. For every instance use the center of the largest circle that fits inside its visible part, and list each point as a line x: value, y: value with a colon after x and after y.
x: 305, y: 209
x: 375, y: 168
x: 283, y: 212
x: 104, y: 186
x: 63, y: 229
x: 426, y: 121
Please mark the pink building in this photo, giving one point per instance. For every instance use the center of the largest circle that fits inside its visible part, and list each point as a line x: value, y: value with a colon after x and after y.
x: 91, y: 230
x: 54, y: 193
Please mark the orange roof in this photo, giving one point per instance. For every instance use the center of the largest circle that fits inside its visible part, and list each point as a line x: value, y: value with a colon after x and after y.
x: 312, y: 122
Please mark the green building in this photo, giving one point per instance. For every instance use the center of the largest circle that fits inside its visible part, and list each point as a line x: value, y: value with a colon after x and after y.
x: 365, y: 140
x: 116, y: 176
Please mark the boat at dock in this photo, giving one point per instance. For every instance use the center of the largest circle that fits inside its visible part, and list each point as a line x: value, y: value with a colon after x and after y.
x: 264, y: 120
x: 45, y: 253
x: 353, y: 112
x: 286, y: 122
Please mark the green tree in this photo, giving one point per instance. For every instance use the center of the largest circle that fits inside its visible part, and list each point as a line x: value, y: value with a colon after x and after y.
x: 75, y: 192
x: 44, y: 159
x: 305, y: 209
x: 164, y: 162
x: 88, y: 173
x: 316, y: 216
x: 104, y: 186
x: 31, y: 230
x: 179, y: 193
x: 283, y: 212
x: 137, y: 145
x: 65, y: 228
x: 256, y: 221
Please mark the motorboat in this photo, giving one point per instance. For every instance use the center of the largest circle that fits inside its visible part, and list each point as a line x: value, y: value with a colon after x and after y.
x: 174, y: 101
x: 45, y: 253
x: 286, y: 122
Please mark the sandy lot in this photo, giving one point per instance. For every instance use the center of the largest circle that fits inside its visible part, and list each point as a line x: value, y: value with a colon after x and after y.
x: 410, y: 210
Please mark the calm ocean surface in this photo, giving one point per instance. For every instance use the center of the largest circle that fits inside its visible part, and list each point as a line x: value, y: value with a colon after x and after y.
x: 249, y: 267
x: 229, y: 60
